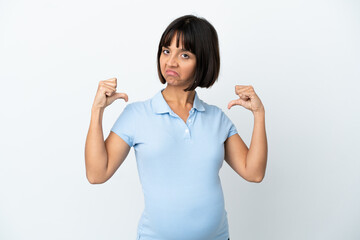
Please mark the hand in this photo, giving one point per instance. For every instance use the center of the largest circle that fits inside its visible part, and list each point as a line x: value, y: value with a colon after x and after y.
x: 106, y: 93
x: 247, y: 98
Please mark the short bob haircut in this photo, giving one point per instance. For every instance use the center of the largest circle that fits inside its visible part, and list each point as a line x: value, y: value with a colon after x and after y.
x: 200, y: 38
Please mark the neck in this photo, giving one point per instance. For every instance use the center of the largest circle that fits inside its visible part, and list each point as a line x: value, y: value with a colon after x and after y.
x: 178, y: 97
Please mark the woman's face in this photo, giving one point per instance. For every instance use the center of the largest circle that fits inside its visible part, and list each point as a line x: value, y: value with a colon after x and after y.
x: 177, y: 65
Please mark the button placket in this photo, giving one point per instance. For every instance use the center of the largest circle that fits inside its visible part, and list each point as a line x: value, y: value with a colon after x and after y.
x: 187, y: 133
x: 188, y: 124
x: 190, y: 115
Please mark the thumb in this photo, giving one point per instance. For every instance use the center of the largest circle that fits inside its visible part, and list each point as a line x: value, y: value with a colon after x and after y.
x: 236, y: 102
x: 119, y: 95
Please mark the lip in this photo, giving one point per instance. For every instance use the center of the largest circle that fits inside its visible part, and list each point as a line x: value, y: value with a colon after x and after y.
x: 171, y: 72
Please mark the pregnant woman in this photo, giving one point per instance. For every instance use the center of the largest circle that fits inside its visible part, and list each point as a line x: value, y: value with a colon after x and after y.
x: 179, y: 140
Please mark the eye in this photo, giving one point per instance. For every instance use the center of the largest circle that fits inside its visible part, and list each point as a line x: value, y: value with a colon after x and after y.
x: 186, y: 56
x: 164, y: 51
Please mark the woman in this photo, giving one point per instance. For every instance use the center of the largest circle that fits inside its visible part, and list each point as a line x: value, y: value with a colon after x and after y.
x: 180, y: 141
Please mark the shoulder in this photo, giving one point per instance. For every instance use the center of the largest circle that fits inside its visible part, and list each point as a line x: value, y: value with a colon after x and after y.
x: 216, y: 113
x: 138, y: 107
x: 212, y: 109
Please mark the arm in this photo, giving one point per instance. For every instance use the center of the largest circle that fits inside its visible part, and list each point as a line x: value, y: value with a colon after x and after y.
x: 257, y: 156
x: 249, y: 163
x: 95, y: 151
x: 102, y: 159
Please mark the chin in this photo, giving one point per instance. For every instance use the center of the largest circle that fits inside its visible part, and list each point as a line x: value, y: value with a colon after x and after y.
x: 171, y: 81
x: 174, y: 82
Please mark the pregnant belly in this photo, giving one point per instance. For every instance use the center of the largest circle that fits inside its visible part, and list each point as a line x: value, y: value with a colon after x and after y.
x: 186, y: 215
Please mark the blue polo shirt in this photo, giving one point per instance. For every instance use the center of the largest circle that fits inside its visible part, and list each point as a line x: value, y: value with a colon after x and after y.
x: 178, y: 165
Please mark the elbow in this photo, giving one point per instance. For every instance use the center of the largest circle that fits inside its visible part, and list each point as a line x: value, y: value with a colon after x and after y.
x: 255, y: 176
x: 93, y: 180
x: 256, y: 179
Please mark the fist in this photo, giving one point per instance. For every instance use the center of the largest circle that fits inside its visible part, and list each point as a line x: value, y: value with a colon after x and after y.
x: 106, y: 93
x: 247, y: 98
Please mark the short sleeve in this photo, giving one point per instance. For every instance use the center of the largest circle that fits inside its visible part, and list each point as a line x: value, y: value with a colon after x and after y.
x: 124, y: 125
x: 228, y: 125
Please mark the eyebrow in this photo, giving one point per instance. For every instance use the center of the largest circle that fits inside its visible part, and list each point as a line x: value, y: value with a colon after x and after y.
x: 182, y: 49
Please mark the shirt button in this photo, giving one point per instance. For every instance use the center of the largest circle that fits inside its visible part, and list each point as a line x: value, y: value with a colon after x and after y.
x: 186, y: 130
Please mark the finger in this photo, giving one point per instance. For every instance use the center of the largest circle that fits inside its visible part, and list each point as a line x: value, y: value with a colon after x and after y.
x: 242, y: 90
x: 247, y: 92
x: 248, y: 95
x: 111, y: 81
x: 105, y: 86
x: 240, y: 86
x: 234, y: 102
x: 110, y: 84
x: 243, y: 86
x: 117, y: 95
x: 244, y: 97
x: 123, y: 95
x: 108, y: 90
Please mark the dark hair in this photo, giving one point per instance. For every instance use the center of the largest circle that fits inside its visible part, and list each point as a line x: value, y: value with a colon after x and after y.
x: 199, y: 37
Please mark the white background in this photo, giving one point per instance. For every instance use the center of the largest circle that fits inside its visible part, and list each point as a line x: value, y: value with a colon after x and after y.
x: 301, y: 57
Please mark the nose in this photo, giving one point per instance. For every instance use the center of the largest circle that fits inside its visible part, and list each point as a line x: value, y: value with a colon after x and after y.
x: 172, y: 61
